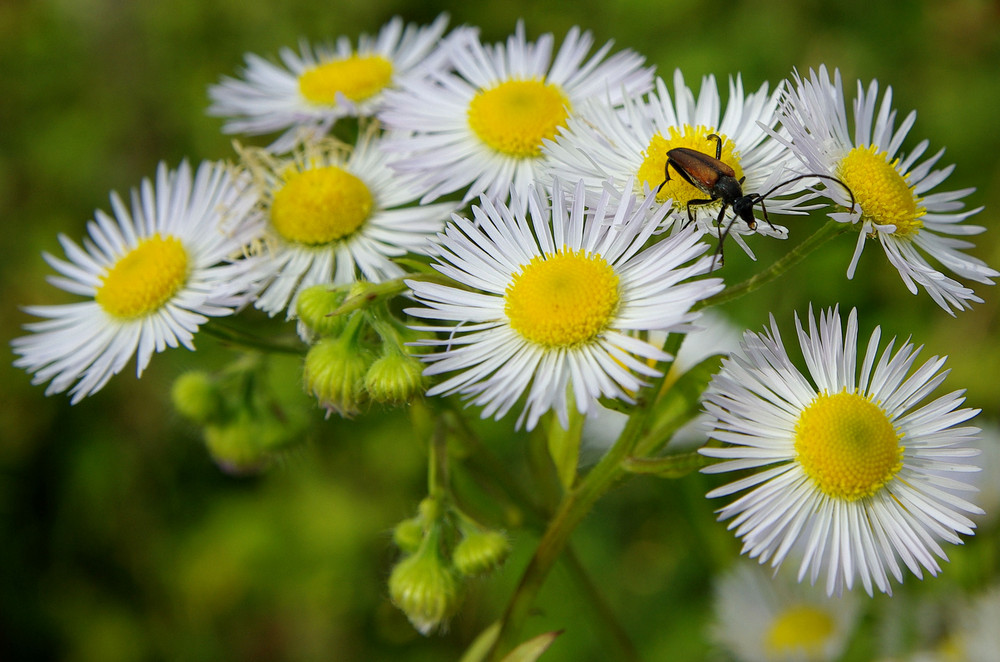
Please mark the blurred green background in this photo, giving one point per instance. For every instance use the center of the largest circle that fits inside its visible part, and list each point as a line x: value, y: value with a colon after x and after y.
x: 120, y: 540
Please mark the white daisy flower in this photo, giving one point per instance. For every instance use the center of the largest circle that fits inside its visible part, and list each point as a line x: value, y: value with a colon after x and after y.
x: 310, y: 90
x: 895, y: 203
x: 151, y: 278
x: 772, y: 619
x: 848, y: 473
x: 601, y: 143
x: 555, y: 301
x: 334, y: 218
x: 481, y: 129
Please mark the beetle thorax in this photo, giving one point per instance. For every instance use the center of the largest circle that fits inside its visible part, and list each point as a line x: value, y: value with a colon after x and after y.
x: 728, y: 190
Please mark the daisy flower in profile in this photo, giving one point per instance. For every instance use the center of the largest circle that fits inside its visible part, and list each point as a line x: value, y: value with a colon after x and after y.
x: 601, y: 143
x: 849, y: 468
x: 555, y: 302
x: 481, y: 128
x: 895, y: 202
x: 773, y: 619
x: 150, y: 278
x: 334, y: 217
x: 310, y: 90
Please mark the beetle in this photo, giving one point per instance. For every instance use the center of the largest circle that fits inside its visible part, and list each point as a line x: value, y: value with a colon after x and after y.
x: 714, y: 178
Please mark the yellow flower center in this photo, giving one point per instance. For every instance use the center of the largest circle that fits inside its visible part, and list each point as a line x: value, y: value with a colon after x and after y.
x: 562, y: 300
x: 144, y: 279
x: 356, y: 77
x: 320, y: 205
x: 800, y: 629
x: 885, y: 196
x: 847, y: 445
x: 655, y: 159
x: 513, y: 117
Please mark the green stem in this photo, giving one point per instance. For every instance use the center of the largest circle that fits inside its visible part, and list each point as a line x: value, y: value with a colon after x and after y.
x: 827, y: 231
x: 233, y: 336
x: 386, y: 290
x: 605, y: 617
x: 483, y: 463
x: 572, y: 509
x: 437, y: 465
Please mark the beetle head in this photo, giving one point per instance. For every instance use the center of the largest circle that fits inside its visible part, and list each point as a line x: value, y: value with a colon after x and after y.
x: 743, y: 207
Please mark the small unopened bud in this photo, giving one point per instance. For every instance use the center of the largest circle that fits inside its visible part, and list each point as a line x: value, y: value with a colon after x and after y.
x: 335, y: 373
x: 408, y: 534
x: 425, y: 588
x: 395, y: 378
x: 196, y: 397
x: 314, y: 306
x: 480, y: 552
x: 235, y: 446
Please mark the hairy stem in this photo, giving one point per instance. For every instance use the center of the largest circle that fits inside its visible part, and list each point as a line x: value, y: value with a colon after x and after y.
x: 827, y: 231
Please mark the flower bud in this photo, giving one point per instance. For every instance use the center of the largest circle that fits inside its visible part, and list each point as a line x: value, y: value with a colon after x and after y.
x: 408, y: 534
x: 313, y: 308
x: 335, y: 372
x: 480, y: 552
x: 196, y: 397
x: 425, y: 588
x: 235, y: 445
x: 395, y: 378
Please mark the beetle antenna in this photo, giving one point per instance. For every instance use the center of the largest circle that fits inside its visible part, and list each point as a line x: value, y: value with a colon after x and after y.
x: 795, y: 179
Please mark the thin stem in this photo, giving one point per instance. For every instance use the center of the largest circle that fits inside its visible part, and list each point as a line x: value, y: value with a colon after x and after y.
x: 437, y: 465
x: 378, y: 291
x: 827, y: 231
x: 234, y: 336
x: 605, y: 616
x: 571, y: 511
x: 488, y: 467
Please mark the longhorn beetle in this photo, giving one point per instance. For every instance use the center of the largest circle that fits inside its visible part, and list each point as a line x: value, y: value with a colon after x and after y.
x: 714, y: 178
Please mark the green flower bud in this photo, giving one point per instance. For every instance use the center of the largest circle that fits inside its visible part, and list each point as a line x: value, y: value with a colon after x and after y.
x: 314, y: 306
x: 408, y: 534
x: 395, y: 378
x: 196, y: 397
x: 335, y: 373
x: 425, y: 588
x: 481, y: 552
x: 235, y: 445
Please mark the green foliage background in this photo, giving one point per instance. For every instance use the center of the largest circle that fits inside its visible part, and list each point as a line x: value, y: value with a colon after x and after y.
x: 119, y: 540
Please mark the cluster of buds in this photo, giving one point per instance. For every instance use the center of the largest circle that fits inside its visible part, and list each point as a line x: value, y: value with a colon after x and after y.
x: 243, y: 426
x: 358, y: 357
x: 442, y: 546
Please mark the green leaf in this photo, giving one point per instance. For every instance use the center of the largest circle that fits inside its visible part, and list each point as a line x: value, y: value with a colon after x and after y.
x: 670, y: 466
x: 614, y: 404
x: 564, y: 447
x: 677, y: 405
x: 533, y: 648
x: 416, y: 266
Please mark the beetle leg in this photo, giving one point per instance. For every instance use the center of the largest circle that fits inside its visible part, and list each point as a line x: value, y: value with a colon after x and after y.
x: 763, y: 208
x: 722, y: 236
x: 718, y: 145
x: 666, y: 174
x: 697, y: 203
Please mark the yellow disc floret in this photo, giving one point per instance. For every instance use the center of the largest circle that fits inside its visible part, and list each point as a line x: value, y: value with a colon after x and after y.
x: 562, y: 300
x: 145, y: 278
x: 514, y: 117
x: 357, y: 77
x: 799, y: 631
x: 319, y: 206
x: 847, y: 445
x: 884, y: 194
x: 654, y: 161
